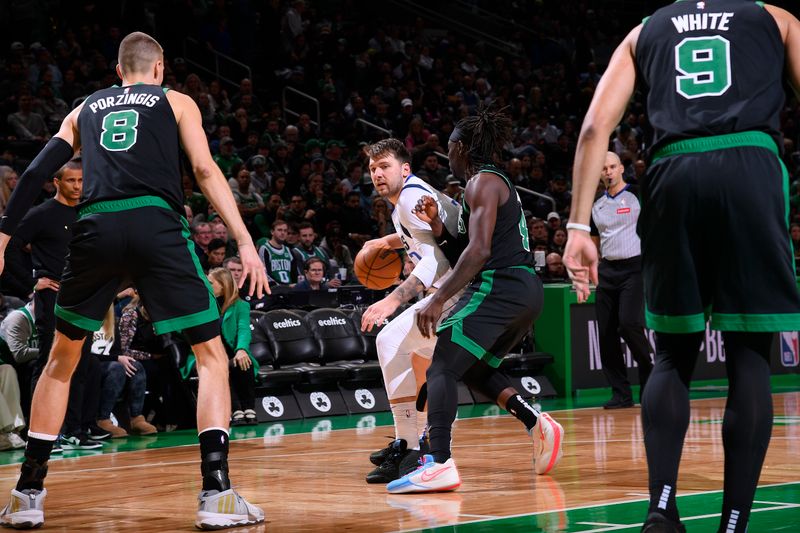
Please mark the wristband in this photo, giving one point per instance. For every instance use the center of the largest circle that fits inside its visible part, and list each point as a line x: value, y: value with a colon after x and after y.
x: 582, y: 227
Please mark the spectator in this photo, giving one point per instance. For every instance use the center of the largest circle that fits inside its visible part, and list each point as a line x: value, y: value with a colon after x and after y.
x: 297, y: 211
x: 276, y: 256
x: 12, y: 420
x: 555, y: 270
x: 226, y: 159
x: 201, y: 235
x: 259, y: 177
x: 8, y: 182
x: 553, y: 221
x: 19, y: 343
x: 558, y: 241
x: 432, y: 172
x: 195, y: 200
x: 314, y: 272
x: 306, y: 249
x: 118, y: 374
x: 26, y: 124
x: 216, y: 253
x: 355, y: 222
x: 249, y: 202
x: 380, y: 216
x: 538, y: 232
x: 236, y: 339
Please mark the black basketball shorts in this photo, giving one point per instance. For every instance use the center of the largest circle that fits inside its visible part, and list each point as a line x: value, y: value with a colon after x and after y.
x: 139, y: 241
x: 715, y: 237
x: 495, y: 312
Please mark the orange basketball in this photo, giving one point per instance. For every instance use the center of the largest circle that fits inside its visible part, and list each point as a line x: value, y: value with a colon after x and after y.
x: 377, y: 268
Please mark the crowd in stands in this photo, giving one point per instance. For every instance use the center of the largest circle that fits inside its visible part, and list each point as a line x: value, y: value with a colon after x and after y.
x: 301, y: 179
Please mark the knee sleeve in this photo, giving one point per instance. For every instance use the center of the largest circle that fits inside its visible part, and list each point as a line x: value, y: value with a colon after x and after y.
x: 398, y: 374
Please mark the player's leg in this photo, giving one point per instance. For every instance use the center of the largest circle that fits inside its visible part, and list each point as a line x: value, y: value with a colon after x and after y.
x: 26, y: 509
x: 631, y: 323
x: 438, y: 472
x: 747, y: 425
x: 665, y: 416
x: 178, y: 297
x: 420, y: 363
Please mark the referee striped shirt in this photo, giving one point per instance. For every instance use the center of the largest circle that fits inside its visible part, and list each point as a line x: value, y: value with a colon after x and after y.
x: 614, y: 220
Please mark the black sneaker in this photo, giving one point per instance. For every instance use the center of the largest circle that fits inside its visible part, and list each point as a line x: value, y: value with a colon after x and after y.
x: 95, y: 432
x: 618, y: 403
x: 57, y: 446
x: 389, y: 469
x: 658, y: 523
x: 79, y: 441
x: 377, y: 458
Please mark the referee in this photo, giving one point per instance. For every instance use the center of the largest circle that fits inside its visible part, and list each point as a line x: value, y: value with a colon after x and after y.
x: 620, y: 293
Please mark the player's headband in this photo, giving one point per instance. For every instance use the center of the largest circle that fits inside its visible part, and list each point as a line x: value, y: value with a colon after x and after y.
x: 457, y: 135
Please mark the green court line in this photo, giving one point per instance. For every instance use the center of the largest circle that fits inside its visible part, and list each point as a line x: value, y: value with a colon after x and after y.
x: 776, y: 508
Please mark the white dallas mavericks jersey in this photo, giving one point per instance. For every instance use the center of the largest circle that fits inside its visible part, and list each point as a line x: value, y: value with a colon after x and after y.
x: 431, y: 266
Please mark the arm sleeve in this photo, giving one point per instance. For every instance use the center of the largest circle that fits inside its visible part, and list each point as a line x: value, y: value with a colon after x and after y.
x: 53, y: 156
x: 451, y: 245
x: 127, y: 329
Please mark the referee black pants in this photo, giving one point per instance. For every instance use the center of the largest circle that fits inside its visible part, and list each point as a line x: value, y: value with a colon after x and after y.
x: 620, y: 313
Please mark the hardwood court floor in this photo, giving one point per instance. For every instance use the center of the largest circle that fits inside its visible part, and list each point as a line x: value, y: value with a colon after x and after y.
x: 313, y: 481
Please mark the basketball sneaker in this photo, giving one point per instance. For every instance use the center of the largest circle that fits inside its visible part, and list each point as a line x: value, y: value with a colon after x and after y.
x: 25, y: 510
x: 429, y: 477
x: 658, y: 523
x: 79, y: 441
x: 377, y: 458
x: 548, y: 436
x: 220, y: 510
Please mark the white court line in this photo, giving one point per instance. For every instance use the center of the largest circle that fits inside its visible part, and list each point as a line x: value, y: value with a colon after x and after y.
x: 597, y: 524
x: 607, y: 504
x: 487, y: 516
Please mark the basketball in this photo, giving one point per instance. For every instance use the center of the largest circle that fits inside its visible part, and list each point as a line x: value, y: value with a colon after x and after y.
x: 377, y: 268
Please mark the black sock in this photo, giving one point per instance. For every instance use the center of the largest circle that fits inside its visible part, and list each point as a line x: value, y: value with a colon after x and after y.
x: 214, y: 460
x: 34, y: 469
x: 523, y: 411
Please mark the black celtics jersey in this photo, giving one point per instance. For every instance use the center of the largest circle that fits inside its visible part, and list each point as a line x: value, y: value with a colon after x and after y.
x: 130, y: 145
x: 510, y: 244
x: 711, y: 67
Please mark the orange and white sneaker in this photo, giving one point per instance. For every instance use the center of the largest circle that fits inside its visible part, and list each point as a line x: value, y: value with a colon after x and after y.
x: 429, y: 477
x: 548, y: 436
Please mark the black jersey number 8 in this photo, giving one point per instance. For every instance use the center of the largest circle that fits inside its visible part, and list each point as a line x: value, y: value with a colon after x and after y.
x: 119, y: 130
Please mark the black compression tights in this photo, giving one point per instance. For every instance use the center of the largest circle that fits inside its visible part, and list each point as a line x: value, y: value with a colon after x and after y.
x: 746, y: 426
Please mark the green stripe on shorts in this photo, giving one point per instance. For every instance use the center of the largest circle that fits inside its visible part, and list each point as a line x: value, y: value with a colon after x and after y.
x: 123, y: 204
x: 195, y: 319
x: 83, y: 322
x: 675, y: 323
x: 717, y: 142
x: 754, y: 322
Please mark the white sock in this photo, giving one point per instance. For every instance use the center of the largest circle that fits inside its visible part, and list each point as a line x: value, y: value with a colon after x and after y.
x: 422, y: 422
x: 405, y: 423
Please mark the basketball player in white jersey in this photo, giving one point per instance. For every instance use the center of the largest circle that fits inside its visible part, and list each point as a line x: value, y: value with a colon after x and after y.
x: 400, y: 340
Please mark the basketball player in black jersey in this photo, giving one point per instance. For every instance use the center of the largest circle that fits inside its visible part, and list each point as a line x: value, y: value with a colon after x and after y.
x: 713, y: 72
x: 502, y: 298
x: 129, y: 137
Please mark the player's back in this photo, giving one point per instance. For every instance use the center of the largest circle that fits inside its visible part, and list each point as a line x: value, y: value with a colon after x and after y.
x: 711, y: 68
x: 510, y: 241
x: 130, y: 145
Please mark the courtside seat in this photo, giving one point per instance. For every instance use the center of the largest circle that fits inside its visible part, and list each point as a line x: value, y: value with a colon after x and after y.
x: 295, y: 350
x: 259, y: 343
x: 342, y: 344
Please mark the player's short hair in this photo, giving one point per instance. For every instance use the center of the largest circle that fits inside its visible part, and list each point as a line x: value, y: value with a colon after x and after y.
x: 137, y: 53
x: 72, y: 164
x: 389, y: 146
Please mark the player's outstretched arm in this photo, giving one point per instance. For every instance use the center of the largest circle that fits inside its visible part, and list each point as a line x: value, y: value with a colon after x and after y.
x: 483, y: 194
x: 608, y: 105
x: 57, y: 152
x: 215, y: 188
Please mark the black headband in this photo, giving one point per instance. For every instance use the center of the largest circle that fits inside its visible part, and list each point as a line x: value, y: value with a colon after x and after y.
x: 457, y: 135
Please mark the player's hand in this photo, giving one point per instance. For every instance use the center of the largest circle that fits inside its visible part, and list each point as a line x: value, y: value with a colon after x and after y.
x: 127, y: 364
x: 427, y: 210
x: 378, y: 312
x: 379, y: 243
x: 428, y: 315
x: 253, y: 269
x: 242, y: 360
x: 580, y: 258
x: 46, y: 283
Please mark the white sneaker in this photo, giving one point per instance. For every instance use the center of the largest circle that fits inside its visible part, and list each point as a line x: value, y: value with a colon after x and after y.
x: 548, y: 436
x: 25, y: 510
x: 430, y: 477
x: 16, y: 441
x: 220, y: 510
